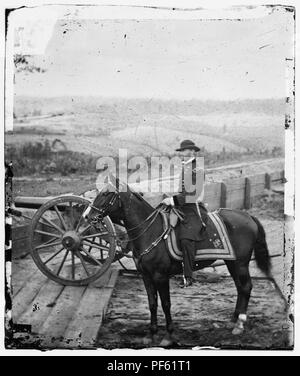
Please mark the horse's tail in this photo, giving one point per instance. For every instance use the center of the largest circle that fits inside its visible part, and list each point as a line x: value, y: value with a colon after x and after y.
x: 261, y: 251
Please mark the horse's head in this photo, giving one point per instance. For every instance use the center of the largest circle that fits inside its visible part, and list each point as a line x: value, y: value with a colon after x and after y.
x: 107, y: 202
x: 116, y: 200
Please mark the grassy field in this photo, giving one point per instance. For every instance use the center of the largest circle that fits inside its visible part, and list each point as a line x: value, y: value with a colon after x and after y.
x: 66, y: 135
x: 155, y: 125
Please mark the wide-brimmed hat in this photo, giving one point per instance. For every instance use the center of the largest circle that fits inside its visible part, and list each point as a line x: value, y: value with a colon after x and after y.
x: 187, y: 144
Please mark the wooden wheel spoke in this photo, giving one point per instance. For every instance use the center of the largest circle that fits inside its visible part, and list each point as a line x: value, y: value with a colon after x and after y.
x: 52, y: 257
x: 91, y: 247
x: 86, y: 229
x: 80, y: 218
x: 48, y: 234
x: 47, y: 224
x: 62, y: 263
x: 46, y: 245
x: 73, y: 266
x: 90, y: 256
x: 101, y: 251
x: 48, y: 242
x: 71, y: 214
x: 62, y: 221
x: 95, y: 235
x: 83, y: 264
x: 95, y: 245
x: 52, y: 224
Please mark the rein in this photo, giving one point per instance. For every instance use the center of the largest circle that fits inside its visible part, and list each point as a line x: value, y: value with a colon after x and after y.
x: 105, y: 211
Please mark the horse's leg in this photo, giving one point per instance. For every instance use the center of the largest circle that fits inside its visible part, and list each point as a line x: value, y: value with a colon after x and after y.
x: 242, y: 279
x: 152, y: 300
x: 231, y: 266
x: 163, y: 285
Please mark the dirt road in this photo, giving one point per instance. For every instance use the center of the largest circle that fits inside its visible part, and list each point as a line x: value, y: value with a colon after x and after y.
x: 202, y: 315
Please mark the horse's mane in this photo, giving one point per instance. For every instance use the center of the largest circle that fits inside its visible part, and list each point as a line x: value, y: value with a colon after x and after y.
x: 140, y: 197
x: 118, y: 183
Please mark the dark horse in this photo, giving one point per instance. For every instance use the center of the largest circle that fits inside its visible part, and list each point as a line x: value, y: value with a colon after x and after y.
x: 145, y: 229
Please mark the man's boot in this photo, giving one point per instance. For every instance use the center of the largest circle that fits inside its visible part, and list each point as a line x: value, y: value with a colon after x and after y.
x: 188, y: 250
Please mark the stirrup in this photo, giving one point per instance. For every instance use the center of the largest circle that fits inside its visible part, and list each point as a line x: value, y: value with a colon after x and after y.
x: 186, y: 282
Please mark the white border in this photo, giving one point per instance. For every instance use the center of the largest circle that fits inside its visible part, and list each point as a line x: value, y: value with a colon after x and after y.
x: 214, y: 8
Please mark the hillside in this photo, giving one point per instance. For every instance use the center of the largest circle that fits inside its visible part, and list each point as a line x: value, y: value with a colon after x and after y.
x: 101, y: 126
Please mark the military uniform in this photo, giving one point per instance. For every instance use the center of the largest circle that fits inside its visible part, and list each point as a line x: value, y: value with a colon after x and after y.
x: 191, y: 194
x: 185, y: 201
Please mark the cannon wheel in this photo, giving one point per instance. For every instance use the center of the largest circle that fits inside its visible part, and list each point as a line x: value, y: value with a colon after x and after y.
x: 66, y: 248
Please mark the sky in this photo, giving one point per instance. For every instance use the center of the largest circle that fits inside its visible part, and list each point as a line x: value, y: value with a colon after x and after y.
x: 163, y: 58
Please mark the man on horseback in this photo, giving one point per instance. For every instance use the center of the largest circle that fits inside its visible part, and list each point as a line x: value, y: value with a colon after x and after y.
x: 189, y: 202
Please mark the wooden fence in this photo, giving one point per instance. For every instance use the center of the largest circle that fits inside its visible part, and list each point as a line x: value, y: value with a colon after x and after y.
x: 236, y: 193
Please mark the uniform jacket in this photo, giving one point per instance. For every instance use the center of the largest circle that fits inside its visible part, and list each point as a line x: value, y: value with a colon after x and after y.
x: 191, y: 227
x: 191, y: 182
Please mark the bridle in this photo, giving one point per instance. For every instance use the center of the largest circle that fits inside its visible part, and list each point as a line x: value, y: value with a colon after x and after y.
x: 105, y: 210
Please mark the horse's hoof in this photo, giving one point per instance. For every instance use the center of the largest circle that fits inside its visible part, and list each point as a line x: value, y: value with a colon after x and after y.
x: 147, y: 341
x: 237, y: 331
x: 166, y: 342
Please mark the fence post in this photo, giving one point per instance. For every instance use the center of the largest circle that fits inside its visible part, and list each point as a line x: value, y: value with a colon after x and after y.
x: 267, y: 181
x: 223, y: 197
x: 247, y: 198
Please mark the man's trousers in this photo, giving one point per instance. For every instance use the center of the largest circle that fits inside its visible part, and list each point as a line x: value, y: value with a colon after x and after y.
x: 188, y: 251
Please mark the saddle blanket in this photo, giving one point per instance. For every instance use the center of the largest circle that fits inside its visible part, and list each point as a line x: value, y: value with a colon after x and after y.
x: 215, y: 245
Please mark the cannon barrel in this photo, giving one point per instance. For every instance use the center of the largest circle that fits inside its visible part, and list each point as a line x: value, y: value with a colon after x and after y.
x: 35, y: 202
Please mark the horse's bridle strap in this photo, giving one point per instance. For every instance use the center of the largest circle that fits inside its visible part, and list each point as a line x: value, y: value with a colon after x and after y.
x: 154, y: 214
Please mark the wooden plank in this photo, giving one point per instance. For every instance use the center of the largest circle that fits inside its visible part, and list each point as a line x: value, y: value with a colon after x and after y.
x: 113, y: 278
x: 236, y: 183
x: 223, y: 196
x: 257, y: 189
x: 268, y: 181
x: 212, y: 189
x: 21, y: 239
x: 235, y: 193
x: 92, y: 310
x: 277, y: 175
x: 257, y: 179
x: 235, y: 199
x: 212, y: 194
x: 247, y: 197
x: 26, y: 294
x: 58, y: 319
x: 41, y: 306
x: 103, y: 280
x: 22, y: 270
x: 20, y: 247
x: 20, y: 232
x: 258, y: 183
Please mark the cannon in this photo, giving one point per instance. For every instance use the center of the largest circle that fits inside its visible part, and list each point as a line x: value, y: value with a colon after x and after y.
x: 64, y: 246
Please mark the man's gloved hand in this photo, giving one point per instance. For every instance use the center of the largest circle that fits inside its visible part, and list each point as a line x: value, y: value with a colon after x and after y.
x: 168, y: 201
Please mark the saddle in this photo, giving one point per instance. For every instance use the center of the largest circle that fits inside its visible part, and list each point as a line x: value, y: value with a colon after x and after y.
x: 214, y: 245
